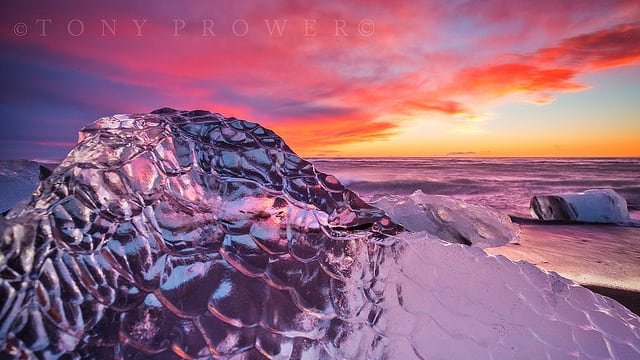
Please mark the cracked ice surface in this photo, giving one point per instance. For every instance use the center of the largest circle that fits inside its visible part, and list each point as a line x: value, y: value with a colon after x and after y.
x: 189, y: 235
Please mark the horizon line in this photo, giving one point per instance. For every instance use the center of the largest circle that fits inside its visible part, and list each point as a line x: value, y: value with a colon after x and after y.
x: 317, y: 157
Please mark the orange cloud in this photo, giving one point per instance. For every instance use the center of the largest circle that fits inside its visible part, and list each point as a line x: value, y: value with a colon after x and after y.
x: 316, y: 136
x: 449, y: 107
x: 504, y: 79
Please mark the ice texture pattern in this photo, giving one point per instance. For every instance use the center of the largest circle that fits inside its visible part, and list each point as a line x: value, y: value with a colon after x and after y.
x: 188, y: 235
x: 450, y: 219
x: 593, y: 206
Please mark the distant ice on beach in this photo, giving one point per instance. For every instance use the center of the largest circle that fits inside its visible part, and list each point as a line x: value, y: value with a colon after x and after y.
x: 592, y: 206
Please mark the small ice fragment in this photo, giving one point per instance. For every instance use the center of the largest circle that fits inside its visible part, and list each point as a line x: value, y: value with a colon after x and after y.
x: 594, y: 206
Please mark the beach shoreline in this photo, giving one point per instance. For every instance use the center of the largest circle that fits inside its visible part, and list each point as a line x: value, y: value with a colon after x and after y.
x: 603, y: 258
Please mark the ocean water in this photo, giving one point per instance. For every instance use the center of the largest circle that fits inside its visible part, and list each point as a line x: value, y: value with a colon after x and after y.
x: 505, y: 184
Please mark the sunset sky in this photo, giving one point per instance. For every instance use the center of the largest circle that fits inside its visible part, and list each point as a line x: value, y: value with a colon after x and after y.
x: 374, y: 78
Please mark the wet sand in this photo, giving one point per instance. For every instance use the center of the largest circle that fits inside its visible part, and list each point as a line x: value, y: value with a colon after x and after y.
x: 628, y: 298
x: 604, y: 258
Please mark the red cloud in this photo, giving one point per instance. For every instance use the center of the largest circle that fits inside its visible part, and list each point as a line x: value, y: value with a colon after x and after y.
x: 616, y: 46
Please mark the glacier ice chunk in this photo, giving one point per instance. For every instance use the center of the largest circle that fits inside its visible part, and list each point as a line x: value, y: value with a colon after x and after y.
x: 450, y: 219
x: 594, y: 206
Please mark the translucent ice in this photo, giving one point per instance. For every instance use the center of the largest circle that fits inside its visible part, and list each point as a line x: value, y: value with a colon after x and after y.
x: 189, y: 235
x: 596, y: 206
x: 449, y: 219
x: 18, y: 179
